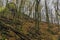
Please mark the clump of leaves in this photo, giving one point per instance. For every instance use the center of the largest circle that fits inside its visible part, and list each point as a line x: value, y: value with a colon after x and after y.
x: 11, y: 5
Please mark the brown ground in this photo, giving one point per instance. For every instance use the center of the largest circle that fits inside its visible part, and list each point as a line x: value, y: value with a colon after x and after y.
x: 45, y: 33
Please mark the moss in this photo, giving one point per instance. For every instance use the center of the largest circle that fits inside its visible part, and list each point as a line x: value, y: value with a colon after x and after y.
x: 1, y: 9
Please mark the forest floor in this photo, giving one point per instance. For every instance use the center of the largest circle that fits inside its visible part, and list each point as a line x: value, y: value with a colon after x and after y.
x: 25, y: 26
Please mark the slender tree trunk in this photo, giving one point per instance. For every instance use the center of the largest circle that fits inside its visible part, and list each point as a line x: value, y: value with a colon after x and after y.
x: 30, y: 9
x: 57, y: 13
x: 21, y: 6
x: 47, y: 16
x: 6, y: 2
x: 46, y: 8
x: 37, y: 16
x: 1, y: 6
x: 58, y: 19
x: 51, y: 17
x: 17, y: 8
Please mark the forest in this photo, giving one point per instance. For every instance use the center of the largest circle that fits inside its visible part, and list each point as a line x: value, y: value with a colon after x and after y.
x: 29, y: 19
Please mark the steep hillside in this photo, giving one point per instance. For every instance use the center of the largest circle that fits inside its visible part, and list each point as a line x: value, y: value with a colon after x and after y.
x: 25, y: 26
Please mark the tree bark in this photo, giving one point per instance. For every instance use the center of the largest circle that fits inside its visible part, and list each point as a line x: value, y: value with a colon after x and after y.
x: 37, y: 16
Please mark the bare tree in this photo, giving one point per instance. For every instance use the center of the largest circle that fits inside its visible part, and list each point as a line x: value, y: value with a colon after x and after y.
x: 30, y: 8
x: 46, y: 8
x: 47, y: 18
x: 51, y: 17
x: 56, y: 10
x: 37, y: 15
x: 22, y: 2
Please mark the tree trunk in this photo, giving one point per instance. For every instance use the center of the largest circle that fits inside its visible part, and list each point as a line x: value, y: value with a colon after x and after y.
x: 37, y: 16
